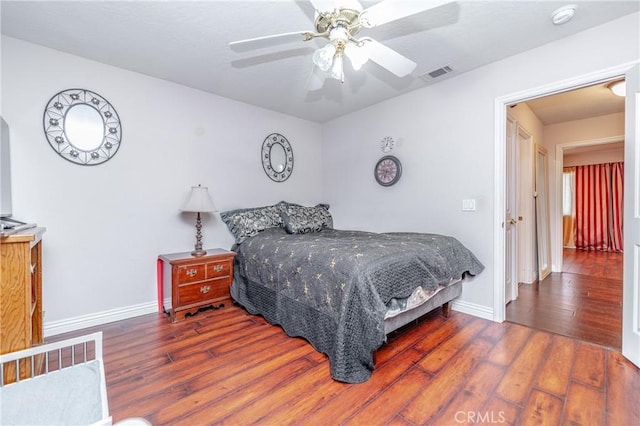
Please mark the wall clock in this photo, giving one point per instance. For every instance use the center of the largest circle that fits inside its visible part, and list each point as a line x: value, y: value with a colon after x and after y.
x: 387, y: 144
x: 388, y: 170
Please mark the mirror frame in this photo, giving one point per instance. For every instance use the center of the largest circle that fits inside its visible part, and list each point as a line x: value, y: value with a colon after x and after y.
x: 55, y: 115
x: 542, y: 212
x: 269, y: 141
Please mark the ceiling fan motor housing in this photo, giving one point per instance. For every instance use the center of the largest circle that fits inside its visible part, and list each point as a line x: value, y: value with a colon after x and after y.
x: 347, y: 18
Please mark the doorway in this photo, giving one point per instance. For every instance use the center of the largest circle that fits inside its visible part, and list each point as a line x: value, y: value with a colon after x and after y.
x: 582, y: 297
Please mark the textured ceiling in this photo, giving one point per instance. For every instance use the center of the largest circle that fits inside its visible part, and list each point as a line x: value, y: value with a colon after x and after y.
x: 187, y: 42
x: 586, y: 102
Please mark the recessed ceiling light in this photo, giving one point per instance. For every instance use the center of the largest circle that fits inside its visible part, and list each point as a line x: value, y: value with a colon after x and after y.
x: 564, y: 14
x: 618, y: 88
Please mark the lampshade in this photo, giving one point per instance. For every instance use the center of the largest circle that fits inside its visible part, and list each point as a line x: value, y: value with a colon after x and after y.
x: 358, y: 55
x: 323, y: 57
x: 198, y: 201
x: 337, y: 71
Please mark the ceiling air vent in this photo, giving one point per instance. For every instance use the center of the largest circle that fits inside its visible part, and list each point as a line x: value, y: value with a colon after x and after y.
x: 436, y: 73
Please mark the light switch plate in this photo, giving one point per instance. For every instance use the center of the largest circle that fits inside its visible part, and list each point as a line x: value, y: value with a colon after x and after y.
x: 469, y: 205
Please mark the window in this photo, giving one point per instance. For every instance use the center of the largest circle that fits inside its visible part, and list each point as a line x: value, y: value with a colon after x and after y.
x: 568, y: 192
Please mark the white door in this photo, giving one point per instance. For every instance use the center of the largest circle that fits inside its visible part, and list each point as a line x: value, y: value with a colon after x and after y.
x: 631, y: 280
x: 510, y: 273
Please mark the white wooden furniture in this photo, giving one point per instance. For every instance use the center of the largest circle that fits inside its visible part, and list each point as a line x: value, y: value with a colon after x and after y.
x: 63, y: 384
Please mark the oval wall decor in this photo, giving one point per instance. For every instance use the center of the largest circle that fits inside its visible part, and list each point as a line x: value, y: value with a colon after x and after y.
x: 82, y: 127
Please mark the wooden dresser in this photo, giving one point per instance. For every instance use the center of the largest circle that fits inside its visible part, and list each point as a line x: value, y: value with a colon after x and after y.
x: 194, y: 282
x: 21, y: 291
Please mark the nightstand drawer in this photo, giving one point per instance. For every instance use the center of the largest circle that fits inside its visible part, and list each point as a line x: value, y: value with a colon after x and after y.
x: 202, y: 291
x: 191, y: 273
x: 219, y: 269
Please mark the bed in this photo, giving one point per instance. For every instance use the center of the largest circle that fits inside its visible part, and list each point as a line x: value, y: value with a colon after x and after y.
x: 342, y: 290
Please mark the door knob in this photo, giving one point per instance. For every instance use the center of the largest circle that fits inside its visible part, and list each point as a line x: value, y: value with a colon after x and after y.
x: 512, y: 221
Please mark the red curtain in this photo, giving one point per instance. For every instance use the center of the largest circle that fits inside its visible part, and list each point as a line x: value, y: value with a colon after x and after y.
x: 599, y: 189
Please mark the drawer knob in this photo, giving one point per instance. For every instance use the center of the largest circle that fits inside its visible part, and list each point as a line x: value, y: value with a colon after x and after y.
x: 191, y: 272
x: 218, y: 268
x: 205, y: 289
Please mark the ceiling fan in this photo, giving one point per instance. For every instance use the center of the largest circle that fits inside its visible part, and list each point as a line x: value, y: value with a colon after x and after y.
x: 340, y: 21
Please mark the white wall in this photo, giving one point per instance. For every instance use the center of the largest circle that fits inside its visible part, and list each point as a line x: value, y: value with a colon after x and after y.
x: 593, y: 128
x: 107, y: 224
x: 447, y: 140
x: 594, y: 157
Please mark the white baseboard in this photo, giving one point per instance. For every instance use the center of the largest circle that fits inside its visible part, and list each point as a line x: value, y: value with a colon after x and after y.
x: 85, y: 321
x: 472, y: 309
x: 77, y: 323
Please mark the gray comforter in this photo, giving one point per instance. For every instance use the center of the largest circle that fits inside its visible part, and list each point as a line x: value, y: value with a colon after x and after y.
x: 332, y: 287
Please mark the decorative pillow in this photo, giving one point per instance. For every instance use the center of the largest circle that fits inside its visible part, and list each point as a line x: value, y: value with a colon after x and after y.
x: 245, y: 223
x: 302, y: 220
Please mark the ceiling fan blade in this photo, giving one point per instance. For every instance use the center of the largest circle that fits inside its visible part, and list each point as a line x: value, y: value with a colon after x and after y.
x: 270, y: 40
x: 331, y: 5
x: 316, y: 79
x: 391, y: 10
x: 389, y: 58
x: 324, y: 5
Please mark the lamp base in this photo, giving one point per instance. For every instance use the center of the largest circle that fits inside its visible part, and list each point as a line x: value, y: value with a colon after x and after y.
x: 198, y: 253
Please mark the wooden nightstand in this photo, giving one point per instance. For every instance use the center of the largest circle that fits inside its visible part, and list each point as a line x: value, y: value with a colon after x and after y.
x: 194, y: 282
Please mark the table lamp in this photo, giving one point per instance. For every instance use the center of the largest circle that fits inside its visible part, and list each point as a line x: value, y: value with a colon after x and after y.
x: 198, y: 202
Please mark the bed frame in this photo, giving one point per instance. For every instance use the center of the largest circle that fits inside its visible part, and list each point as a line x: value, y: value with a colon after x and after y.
x: 442, y: 298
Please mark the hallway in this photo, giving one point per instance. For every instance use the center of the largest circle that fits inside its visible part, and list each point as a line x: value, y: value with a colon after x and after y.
x: 584, y: 301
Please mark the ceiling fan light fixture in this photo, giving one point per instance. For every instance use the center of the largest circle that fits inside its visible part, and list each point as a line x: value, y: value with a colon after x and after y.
x: 358, y: 54
x: 323, y: 57
x: 337, y: 69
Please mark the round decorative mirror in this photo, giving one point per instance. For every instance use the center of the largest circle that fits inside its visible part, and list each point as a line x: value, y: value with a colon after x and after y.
x: 277, y: 157
x: 82, y: 127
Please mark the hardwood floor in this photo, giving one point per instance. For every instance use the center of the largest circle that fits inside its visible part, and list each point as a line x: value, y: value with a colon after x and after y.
x: 600, y: 264
x: 583, y: 302
x: 230, y: 367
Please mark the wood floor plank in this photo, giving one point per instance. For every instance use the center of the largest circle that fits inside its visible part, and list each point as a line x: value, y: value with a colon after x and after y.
x: 353, y: 397
x: 142, y: 386
x: 442, y: 332
x: 623, y: 389
x: 542, y: 409
x: 437, y: 394
x: 506, y: 349
x: 147, y: 407
x: 384, y: 407
x: 495, y: 332
x: 287, y: 396
x: 473, y: 396
x: 556, y: 370
x: 204, y: 406
x: 322, y: 393
x: 516, y: 384
x: 500, y: 412
x: 590, y: 365
x: 444, y: 352
x: 585, y: 406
